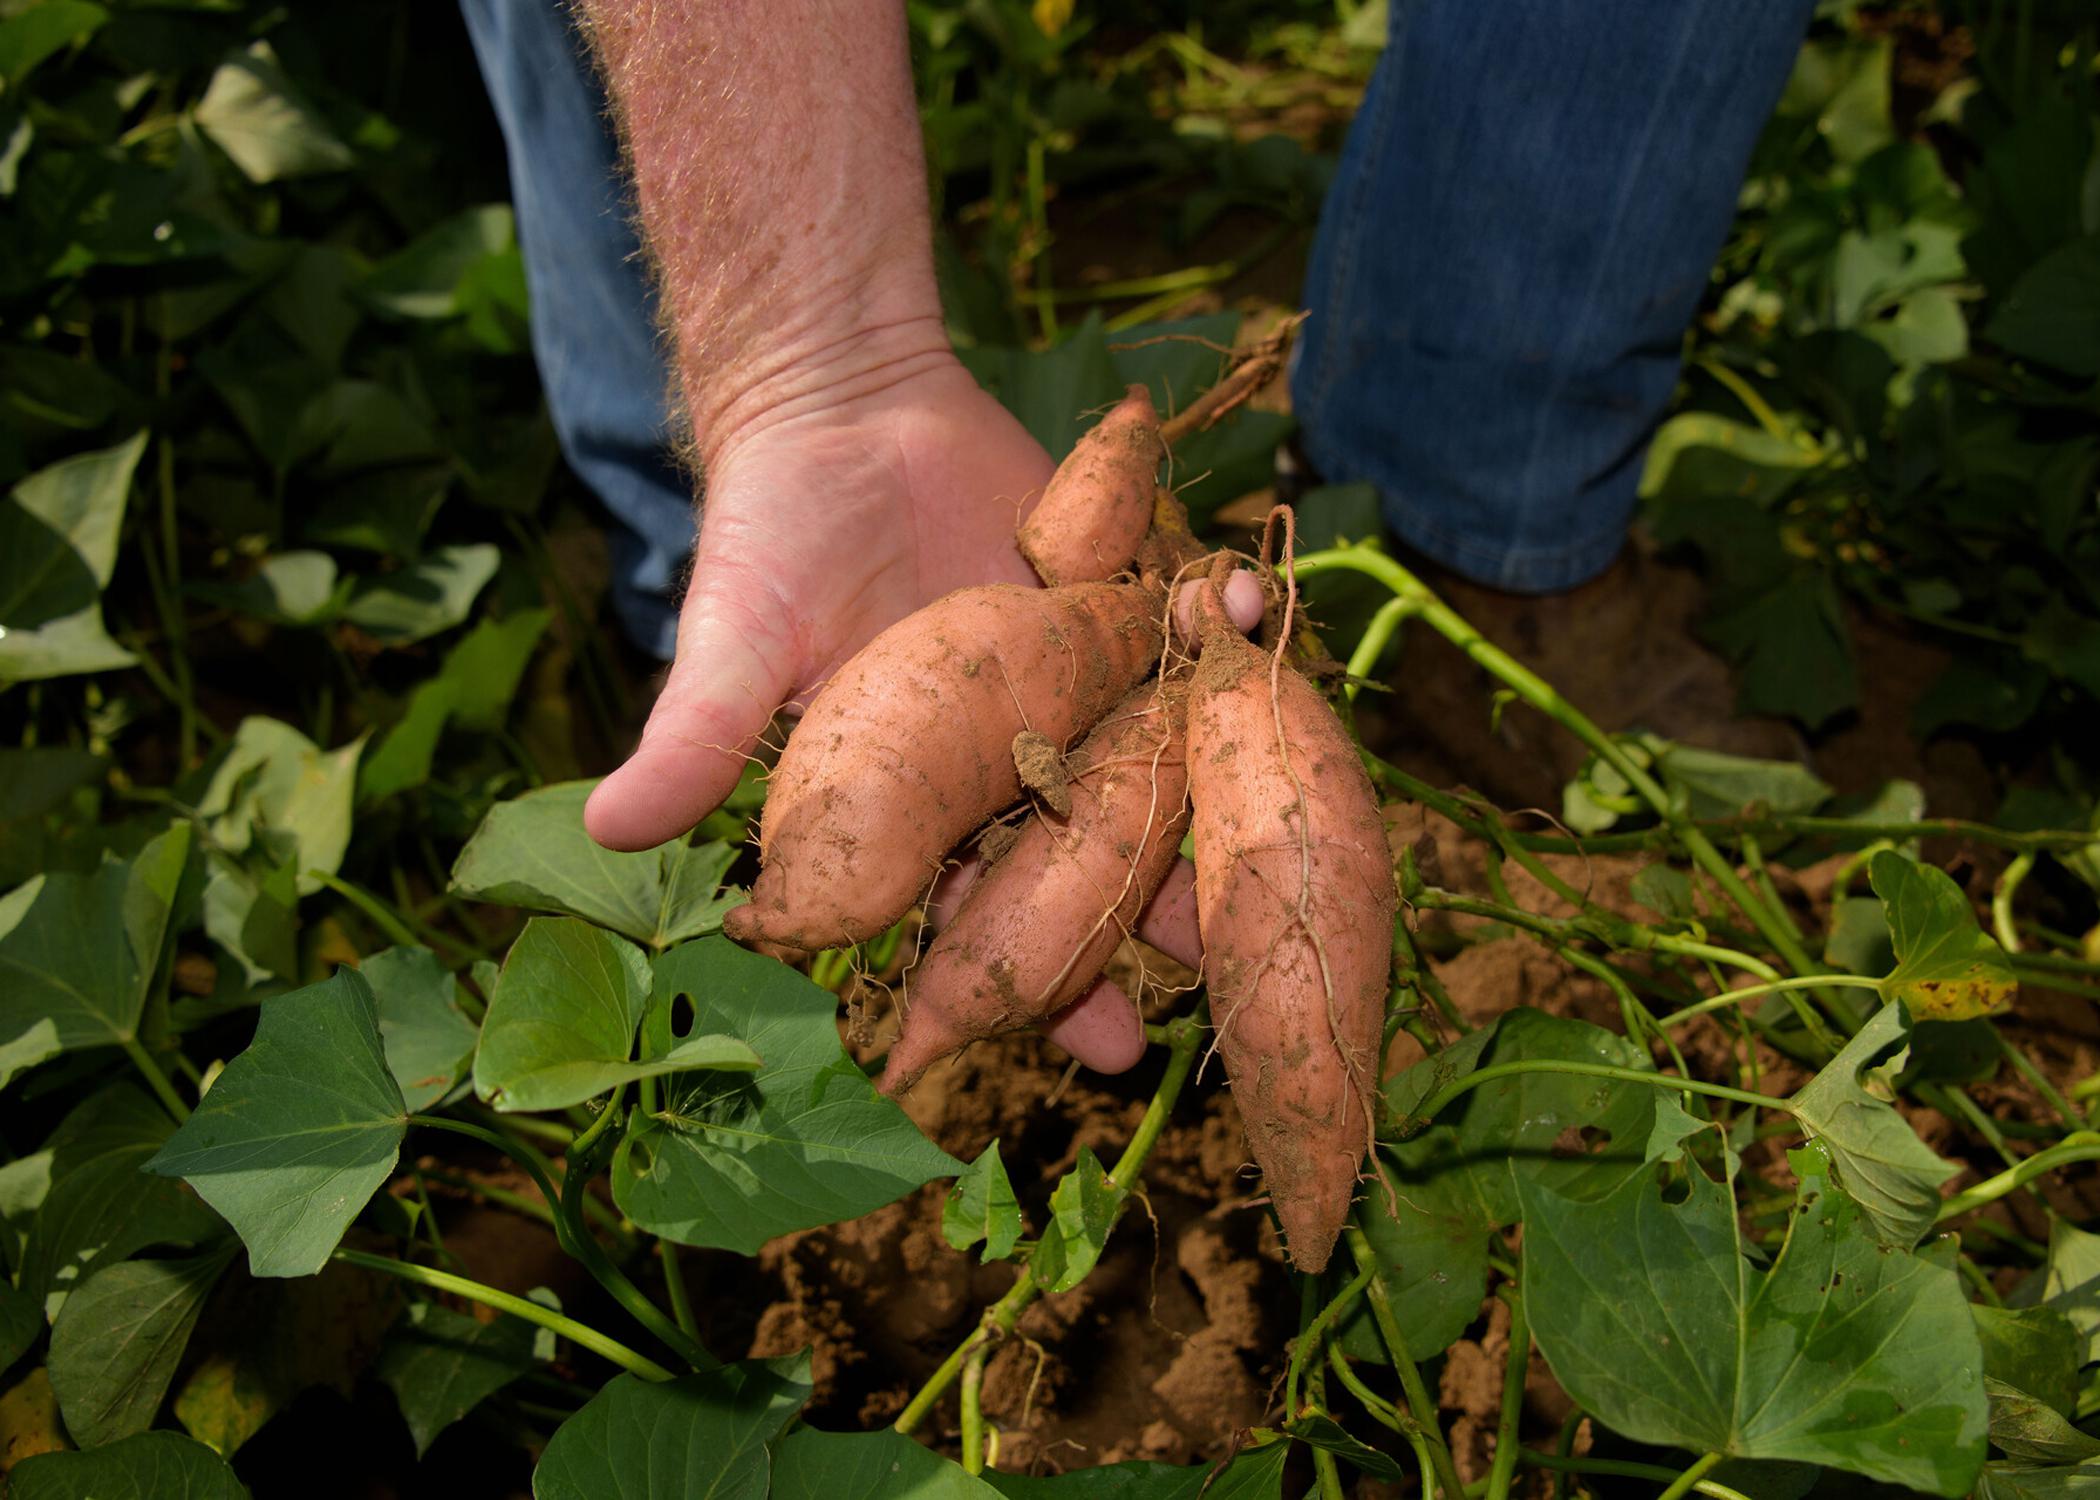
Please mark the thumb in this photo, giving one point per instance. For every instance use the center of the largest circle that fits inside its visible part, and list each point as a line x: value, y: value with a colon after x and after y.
x: 735, y: 666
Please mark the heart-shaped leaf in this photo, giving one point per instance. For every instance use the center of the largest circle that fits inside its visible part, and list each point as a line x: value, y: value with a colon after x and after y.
x: 1947, y: 967
x: 1844, y: 1353
x: 58, y: 546
x: 150, y: 1466
x: 119, y: 1338
x: 982, y: 1206
x: 1876, y: 1157
x: 532, y: 852
x: 441, y: 1364
x: 732, y: 1160
x: 299, y: 1130
x: 562, y: 1021
x: 698, y: 1435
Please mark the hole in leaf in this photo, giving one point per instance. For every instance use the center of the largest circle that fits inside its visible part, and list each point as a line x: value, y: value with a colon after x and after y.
x: 682, y: 1017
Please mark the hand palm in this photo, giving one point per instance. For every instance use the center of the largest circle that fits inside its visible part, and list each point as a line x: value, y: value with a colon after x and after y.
x: 819, y: 530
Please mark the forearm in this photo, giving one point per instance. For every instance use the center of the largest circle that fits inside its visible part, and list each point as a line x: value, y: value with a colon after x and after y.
x: 778, y: 169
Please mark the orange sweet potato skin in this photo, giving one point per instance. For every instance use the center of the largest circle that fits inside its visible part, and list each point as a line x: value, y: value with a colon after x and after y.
x: 1036, y: 928
x: 1295, y: 898
x: 910, y: 747
x: 1097, y: 506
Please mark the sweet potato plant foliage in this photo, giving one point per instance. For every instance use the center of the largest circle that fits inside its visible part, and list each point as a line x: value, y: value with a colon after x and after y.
x: 304, y: 666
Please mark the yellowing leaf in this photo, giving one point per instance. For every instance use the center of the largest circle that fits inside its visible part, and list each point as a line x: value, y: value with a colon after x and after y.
x: 1947, y: 967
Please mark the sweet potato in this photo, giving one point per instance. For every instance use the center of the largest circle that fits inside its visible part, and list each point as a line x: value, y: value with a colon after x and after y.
x: 1295, y: 897
x: 1096, y: 508
x: 1036, y: 928
x: 910, y: 747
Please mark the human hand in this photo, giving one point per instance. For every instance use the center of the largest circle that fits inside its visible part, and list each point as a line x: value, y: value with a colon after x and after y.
x: 823, y: 524
x: 831, y: 513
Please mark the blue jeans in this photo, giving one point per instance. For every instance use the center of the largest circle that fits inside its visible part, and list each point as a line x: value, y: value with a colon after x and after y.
x: 1524, y: 220
x: 593, y: 310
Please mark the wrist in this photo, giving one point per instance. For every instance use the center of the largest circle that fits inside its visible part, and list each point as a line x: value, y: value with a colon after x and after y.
x: 824, y: 366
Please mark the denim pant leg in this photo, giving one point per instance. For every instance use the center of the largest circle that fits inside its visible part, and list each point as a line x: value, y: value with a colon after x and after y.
x: 1528, y: 208
x: 593, y: 312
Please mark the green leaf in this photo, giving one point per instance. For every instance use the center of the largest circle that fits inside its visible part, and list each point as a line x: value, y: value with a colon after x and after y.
x: 290, y: 588
x: 150, y: 1466
x: 21, y: 1320
x: 35, y: 780
x: 1254, y: 1473
x: 268, y: 1341
x: 561, y: 1023
x: 1443, y: 1191
x: 532, y: 852
x: 1082, y: 1215
x: 1876, y: 1157
x: 441, y: 1364
x: 424, y: 598
x: 58, y: 546
x: 1323, y: 1432
x: 982, y: 1206
x: 1947, y: 967
x: 1666, y: 891
x: 2002, y: 1481
x: 2029, y: 1431
x: 98, y: 1209
x: 117, y: 1341
x: 1858, y: 941
x: 256, y: 116
x: 2071, y: 1284
x: 29, y: 36
x: 1844, y: 1353
x: 402, y: 760
x: 422, y: 279
x: 2052, y: 314
x: 698, y: 1436
x: 1048, y: 390
x: 813, y: 1465
x: 299, y: 1130
x: 1792, y: 650
x: 1718, y: 785
x: 76, y: 966
x: 485, y: 667
x: 254, y: 917
x: 279, y: 796
x: 731, y: 1160
x: 429, y: 1041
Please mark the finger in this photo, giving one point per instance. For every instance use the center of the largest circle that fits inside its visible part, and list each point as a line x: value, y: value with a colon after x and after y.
x: 1168, y: 923
x: 1243, y: 603
x: 1101, y: 1029
x: 732, y: 672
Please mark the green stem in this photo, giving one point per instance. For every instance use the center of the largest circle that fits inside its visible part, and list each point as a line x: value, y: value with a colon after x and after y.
x: 1682, y: 1484
x: 150, y: 1071
x: 572, y: 1234
x: 580, y: 1334
x: 2002, y: 894
x: 973, y: 1408
x: 1371, y: 645
x: 675, y: 1291
x: 1185, y: 1036
x: 1316, y: 1333
x: 1503, y: 1468
x: 1418, y: 1398
x: 2081, y: 1146
x: 1618, y: 1468
x: 1380, y: 1409
x: 1771, y: 987
x: 1428, y: 1110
